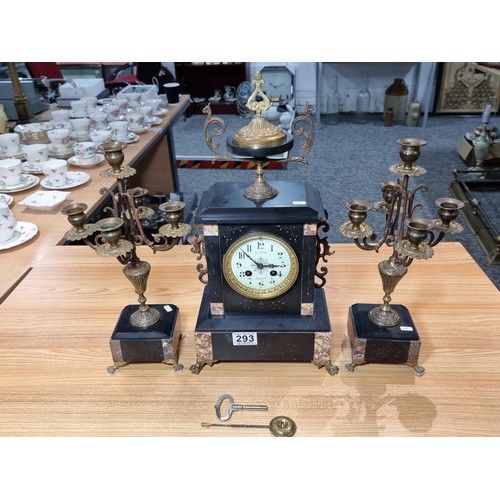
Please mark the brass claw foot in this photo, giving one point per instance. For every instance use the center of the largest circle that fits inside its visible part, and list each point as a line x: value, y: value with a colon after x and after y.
x: 196, y: 368
x: 112, y: 369
x: 350, y: 367
x: 419, y: 370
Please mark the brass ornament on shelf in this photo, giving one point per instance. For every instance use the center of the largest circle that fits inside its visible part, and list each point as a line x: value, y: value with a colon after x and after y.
x: 119, y: 235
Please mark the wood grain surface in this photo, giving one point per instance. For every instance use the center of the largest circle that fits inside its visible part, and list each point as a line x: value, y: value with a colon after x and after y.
x: 54, y: 351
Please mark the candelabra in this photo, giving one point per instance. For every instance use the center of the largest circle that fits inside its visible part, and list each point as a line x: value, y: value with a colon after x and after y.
x: 373, y: 331
x: 143, y: 333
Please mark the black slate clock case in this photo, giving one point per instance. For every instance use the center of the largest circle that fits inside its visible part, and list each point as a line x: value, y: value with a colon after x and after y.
x: 285, y: 331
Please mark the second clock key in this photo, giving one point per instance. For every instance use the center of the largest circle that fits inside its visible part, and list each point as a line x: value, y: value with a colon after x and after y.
x: 231, y: 406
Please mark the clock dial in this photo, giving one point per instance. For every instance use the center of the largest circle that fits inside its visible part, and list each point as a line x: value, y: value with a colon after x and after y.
x: 278, y: 83
x: 260, y: 266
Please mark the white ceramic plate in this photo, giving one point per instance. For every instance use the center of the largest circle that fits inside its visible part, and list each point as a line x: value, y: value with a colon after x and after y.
x: 23, y: 232
x: 28, y: 168
x: 44, y: 201
x: 132, y: 137
x: 75, y: 161
x: 139, y: 130
x: 74, y: 179
x: 155, y: 120
x: 6, y: 198
x: 160, y: 112
x: 12, y: 156
x: 27, y: 181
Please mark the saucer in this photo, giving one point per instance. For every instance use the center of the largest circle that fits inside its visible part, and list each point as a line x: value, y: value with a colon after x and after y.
x: 27, y: 181
x: 61, y: 153
x: 72, y: 114
x: 75, y: 161
x: 106, y: 100
x: 12, y: 156
x: 23, y: 232
x: 6, y: 198
x: 80, y: 138
x: 160, y: 112
x: 154, y: 120
x: 28, y: 168
x: 73, y: 179
x: 44, y: 201
x: 139, y: 130
x: 132, y: 137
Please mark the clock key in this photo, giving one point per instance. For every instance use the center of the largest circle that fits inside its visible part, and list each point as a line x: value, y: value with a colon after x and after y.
x: 233, y: 407
x: 279, y: 426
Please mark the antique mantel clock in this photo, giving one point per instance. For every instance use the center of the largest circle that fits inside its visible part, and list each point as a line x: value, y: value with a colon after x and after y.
x: 262, y: 243
x: 278, y: 83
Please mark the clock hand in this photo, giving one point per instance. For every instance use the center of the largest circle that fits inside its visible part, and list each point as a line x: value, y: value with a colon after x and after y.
x: 276, y: 86
x: 259, y: 264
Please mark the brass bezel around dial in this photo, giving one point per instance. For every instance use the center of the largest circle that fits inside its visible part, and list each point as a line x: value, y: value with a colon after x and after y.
x: 256, y: 253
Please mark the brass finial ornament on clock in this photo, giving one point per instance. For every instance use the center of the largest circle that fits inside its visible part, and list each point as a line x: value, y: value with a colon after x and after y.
x: 263, y: 246
x: 259, y: 140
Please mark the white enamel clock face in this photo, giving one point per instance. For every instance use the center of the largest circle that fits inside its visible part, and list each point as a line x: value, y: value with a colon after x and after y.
x: 278, y: 83
x: 260, y: 266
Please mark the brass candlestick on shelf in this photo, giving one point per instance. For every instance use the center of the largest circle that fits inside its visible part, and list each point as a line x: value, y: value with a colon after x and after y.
x: 143, y: 333
x: 372, y: 330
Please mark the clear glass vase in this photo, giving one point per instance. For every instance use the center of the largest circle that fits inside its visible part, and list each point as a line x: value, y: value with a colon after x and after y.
x: 363, y: 102
x: 333, y: 104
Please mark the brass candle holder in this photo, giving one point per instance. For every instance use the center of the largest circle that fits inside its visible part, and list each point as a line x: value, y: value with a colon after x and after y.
x: 378, y: 333
x: 143, y: 333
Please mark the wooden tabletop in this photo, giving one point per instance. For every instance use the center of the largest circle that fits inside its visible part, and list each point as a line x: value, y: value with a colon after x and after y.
x: 17, y: 261
x: 54, y: 354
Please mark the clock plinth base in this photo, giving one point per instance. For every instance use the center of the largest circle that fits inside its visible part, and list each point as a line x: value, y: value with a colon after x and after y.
x: 156, y: 343
x: 374, y: 344
x: 272, y: 337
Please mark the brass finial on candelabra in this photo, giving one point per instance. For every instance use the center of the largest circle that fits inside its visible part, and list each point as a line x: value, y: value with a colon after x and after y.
x: 372, y: 330
x: 143, y: 332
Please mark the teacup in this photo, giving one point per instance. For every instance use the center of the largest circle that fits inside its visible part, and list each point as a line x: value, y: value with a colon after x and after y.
x: 147, y: 111
x: 59, y: 137
x: 36, y: 153
x: 79, y: 108
x: 99, y: 120
x: 154, y: 103
x: 91, y: 102
x: 9, y: 143
x: 122, y: 103
x: 113, y: 111
x: 60, y: 116
x: 119, y: 130
x: 55, y: 171
x: 100, y: 136
x: 7, y: 222
x: 80, y: 126
x: 85, y: 152
x: 136, y: 120
x: 134, y: 99
x: 10, y: 172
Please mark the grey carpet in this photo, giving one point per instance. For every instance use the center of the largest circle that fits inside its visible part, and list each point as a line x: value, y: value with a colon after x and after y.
x: 350, y: 160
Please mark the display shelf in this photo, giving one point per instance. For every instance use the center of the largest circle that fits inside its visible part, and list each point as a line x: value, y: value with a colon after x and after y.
x: 200, y: 80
